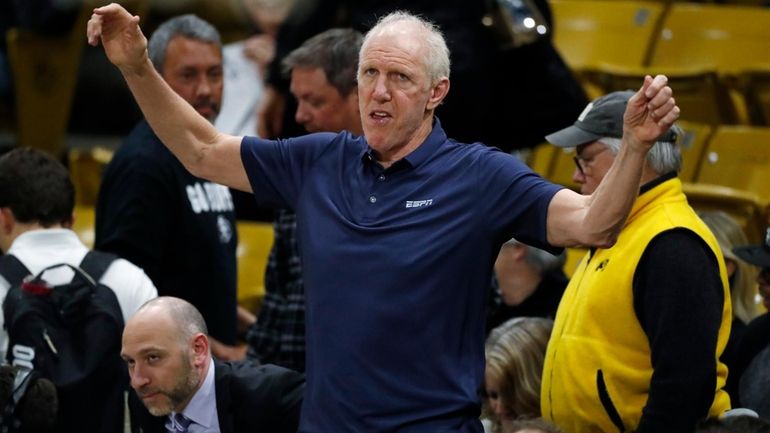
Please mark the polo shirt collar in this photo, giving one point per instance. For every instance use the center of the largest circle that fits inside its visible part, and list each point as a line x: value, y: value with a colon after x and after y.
x: 424, y: 151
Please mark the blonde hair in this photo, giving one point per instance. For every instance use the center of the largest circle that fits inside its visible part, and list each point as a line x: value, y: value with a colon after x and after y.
x: 515, y: 352
x: 743, y: 288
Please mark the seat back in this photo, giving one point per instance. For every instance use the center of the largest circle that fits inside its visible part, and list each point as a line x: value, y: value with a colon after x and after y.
x: 738, y: 157
x: 727, y: 38
x: 693, y: 144
x: 255, y: 240
x: 748, y: 209
x: 591, y: 32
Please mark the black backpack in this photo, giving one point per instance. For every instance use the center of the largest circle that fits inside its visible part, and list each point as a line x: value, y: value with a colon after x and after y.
x: 71, y: 335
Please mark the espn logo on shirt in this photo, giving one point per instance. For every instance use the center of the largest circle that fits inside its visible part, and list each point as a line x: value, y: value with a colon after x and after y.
x: 419, y: 203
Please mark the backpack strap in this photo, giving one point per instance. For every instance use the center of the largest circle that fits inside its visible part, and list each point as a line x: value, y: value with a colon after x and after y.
x: 13, y: 270
x: 95, y: 263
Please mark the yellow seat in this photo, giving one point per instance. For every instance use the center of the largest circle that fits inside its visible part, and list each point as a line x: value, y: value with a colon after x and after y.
x: 726, y: 38
x: 693, y: 145
x: 254, y: 243
x: 591, y: 32
x: 755, y: 83
x: 747, y: 208
x: 701, y: 93
x: 563, y: 167
x: 541, y: 159
x: 86, y: 166
x: 83, y: 226
x: 738, y: 157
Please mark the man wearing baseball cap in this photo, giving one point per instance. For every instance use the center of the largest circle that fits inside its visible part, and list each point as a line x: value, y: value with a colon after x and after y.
x: 640, y: 328
x: 750, y: 377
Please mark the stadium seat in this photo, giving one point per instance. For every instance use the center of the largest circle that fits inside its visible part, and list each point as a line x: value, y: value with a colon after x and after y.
x: 747, y: 208
x: 541, y: 159
x: 727, y: 38
x: 86, y: 166
x: 84, y: 224
x: 590, y: 32
x: 693, y: 144
x: 701, y: 93
x: 738, y: 157
x: 755, y: 83
x: 254, y: 242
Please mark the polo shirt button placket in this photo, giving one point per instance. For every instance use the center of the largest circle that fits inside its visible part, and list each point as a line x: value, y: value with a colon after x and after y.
x: 372, y: 199
x: 381, y: 177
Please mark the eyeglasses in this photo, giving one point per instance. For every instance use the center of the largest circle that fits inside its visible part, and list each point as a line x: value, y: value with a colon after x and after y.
x: 582, y: 162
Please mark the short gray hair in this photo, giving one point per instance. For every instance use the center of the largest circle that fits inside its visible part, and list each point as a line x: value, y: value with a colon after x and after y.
x: 335, y: 51
x: 188, y: 26
x: 541, y: 260
x: 437, y: 63
x: 664, y: 157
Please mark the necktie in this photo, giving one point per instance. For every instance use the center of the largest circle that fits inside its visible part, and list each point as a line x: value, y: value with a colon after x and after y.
x: 179, y: 423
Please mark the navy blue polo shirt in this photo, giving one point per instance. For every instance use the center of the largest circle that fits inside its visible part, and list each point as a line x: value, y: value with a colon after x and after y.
x: 397, y: 265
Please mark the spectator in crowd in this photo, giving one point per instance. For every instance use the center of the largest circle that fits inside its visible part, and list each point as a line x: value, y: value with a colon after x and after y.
x: 323, y: 80
x: 515, y: 351
x: 398, y: 228
x: 178, y: 227
x: 530, y: 282
x: 642, y: 325
x: 37, y: 200
x: 183, y: 388
x: 741, y: 276
x: 749, y: 379
x: 28, y: 402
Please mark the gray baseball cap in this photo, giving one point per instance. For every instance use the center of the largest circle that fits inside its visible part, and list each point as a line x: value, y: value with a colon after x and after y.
x: 602, y: 117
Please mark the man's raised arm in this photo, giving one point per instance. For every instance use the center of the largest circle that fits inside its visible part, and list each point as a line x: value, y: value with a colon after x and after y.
x: 202, y: 149
x: 596, y: 220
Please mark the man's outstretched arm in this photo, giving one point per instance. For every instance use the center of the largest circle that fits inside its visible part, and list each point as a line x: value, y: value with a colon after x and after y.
x: 596, y: 220
x: 202, y: 149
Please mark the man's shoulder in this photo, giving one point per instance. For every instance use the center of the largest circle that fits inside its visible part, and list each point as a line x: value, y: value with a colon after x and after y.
x: 140, y: 148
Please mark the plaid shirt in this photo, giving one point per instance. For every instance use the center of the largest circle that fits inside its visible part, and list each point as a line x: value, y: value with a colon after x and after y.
x: 278, y: 336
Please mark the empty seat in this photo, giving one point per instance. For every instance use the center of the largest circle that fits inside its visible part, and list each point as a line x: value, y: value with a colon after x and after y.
x: 86, y: 166
x: 591, y: 32
x: 254, y: 242
x: 701, y: 93
x: 727, y: 38
x: 738, y: 157
x: 693, y: 145
x: 747, y: 208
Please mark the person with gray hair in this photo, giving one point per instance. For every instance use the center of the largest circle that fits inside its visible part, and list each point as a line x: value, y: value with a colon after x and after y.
x: 642, y: 325
x: 529, y: 282
x: 182, y: 388
x: 398, y: 228
x: 151, y: 209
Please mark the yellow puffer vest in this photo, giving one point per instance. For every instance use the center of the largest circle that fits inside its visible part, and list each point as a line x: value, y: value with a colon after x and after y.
x: 597, y: 341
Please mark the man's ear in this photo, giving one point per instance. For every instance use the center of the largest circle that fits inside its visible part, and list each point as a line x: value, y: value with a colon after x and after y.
x: 438, y: 92
x: 7, y: 220
x: 200, y: 346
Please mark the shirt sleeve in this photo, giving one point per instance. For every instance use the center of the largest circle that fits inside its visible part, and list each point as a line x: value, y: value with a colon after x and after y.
x: 277, y: 168
x: 678, y: 298
x: 132, y: 220
x: 514, y: 199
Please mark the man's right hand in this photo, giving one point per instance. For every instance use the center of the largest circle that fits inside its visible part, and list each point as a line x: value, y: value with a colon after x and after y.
x: 270, y: 114
x: 119, y: 32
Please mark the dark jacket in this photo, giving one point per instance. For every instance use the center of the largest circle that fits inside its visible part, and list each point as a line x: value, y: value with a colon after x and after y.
x: 250, y: 398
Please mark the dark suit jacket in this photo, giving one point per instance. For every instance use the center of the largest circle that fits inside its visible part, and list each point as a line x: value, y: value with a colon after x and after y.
x: 249, y: 399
